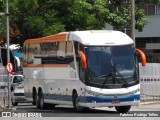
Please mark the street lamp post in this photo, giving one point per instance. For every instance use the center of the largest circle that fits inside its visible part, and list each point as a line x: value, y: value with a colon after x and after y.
x: 8, y: 53
x: 133, y: 21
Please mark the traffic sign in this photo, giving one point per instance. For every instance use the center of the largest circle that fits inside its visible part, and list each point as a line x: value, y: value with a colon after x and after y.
x: 9, y: 67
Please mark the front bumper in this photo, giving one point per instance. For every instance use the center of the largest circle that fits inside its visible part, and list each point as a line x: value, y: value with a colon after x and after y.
x: 99, y: 101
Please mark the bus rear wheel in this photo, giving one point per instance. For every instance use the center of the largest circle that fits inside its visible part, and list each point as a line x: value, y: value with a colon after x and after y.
x: 34, y: 98
x: 122, y: 109
x: 38, y: 101
x: 41, y: 101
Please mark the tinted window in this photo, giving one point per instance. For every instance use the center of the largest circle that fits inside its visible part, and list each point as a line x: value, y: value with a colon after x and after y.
x: 50, y: 53
x: 17, y: 79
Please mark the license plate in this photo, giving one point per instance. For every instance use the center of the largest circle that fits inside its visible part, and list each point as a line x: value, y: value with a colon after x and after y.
x: 115, y: 101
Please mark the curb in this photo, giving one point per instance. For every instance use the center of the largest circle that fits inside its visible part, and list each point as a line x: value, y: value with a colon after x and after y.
x: 150, y: 102
x: 8, y: 109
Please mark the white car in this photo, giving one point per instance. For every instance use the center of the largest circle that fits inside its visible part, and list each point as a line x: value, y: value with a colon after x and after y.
x: 17, y: 89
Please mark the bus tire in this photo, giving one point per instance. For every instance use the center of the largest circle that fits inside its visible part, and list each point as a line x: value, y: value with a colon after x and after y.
x: 38, y: 101
x: 122, y: 109
x: 75, y: 101
x: 41, y: 100
x: 34, y: 98
x: 14, y: 103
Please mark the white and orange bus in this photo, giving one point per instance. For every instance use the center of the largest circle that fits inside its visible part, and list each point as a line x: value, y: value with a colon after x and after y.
x: 84, y: 69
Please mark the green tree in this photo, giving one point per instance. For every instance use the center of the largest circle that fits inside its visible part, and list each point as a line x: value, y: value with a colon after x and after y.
x: 2, y: 19
x: 37, y: 18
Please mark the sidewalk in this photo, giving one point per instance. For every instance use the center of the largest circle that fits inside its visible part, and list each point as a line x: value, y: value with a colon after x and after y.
x: 150, y: 102
x: 7, y: 109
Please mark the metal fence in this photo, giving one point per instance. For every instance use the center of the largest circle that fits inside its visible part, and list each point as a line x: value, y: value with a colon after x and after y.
x: 150, y: 82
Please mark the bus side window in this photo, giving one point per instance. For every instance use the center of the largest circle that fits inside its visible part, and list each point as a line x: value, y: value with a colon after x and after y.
x: 61, y: 51
x: 48, y: 52
x: 30, y: 54
x: 69, y: 50
x: 24, y: 53
x: 69, y: 55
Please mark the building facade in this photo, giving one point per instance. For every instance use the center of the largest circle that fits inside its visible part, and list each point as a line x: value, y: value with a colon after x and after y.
x: 148, y: 39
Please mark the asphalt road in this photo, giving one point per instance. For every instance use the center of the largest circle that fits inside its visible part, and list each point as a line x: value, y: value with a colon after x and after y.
x: 65, y: 111
x: 145, y: 110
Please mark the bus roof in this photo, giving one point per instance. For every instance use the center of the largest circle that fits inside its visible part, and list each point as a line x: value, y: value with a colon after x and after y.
x: 101, y: 37
x: 90, y: 37
x: 52, y: 38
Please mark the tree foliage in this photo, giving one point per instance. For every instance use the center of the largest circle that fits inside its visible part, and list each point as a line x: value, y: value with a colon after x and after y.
x: 37, y: 18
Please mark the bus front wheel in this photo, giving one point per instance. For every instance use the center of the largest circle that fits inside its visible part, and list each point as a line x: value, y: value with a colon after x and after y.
x: 122, y: 109
x: 76, y: 103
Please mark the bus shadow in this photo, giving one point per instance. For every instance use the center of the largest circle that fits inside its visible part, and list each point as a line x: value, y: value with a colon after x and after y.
x: 84, y: 111
x: 67, y: 111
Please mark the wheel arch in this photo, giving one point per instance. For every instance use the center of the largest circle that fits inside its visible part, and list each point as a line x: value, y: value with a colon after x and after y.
x: 74, y: 91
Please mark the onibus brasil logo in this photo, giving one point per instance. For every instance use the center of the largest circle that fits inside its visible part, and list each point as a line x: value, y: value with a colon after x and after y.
x: 14, y: 114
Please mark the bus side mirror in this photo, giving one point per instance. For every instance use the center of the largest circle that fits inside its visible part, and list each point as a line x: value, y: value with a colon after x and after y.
x: 83, y: 59
x: 143, y: 57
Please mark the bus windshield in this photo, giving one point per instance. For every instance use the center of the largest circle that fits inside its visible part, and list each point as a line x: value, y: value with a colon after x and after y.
x: 111, y: 64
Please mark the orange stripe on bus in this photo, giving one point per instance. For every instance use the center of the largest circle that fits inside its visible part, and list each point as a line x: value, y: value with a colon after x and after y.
x: 52, y: 38
x: 45, y: 65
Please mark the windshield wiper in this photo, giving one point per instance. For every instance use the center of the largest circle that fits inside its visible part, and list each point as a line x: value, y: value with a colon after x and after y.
x: 102, y: 76
x: 108, y: 75
x: 113, y: 75
x: 124, y: 80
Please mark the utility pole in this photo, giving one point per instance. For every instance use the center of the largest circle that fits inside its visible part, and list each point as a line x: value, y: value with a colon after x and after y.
x: 8, y: 54
x: 133, y: 21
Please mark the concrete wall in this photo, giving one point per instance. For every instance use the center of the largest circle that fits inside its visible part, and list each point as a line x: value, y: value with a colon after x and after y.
x: 150, y: 82
x: 152, y: 29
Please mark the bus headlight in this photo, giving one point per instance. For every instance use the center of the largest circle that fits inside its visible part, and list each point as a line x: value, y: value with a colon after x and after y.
x: 135, y: 91
x: 92, y: 92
